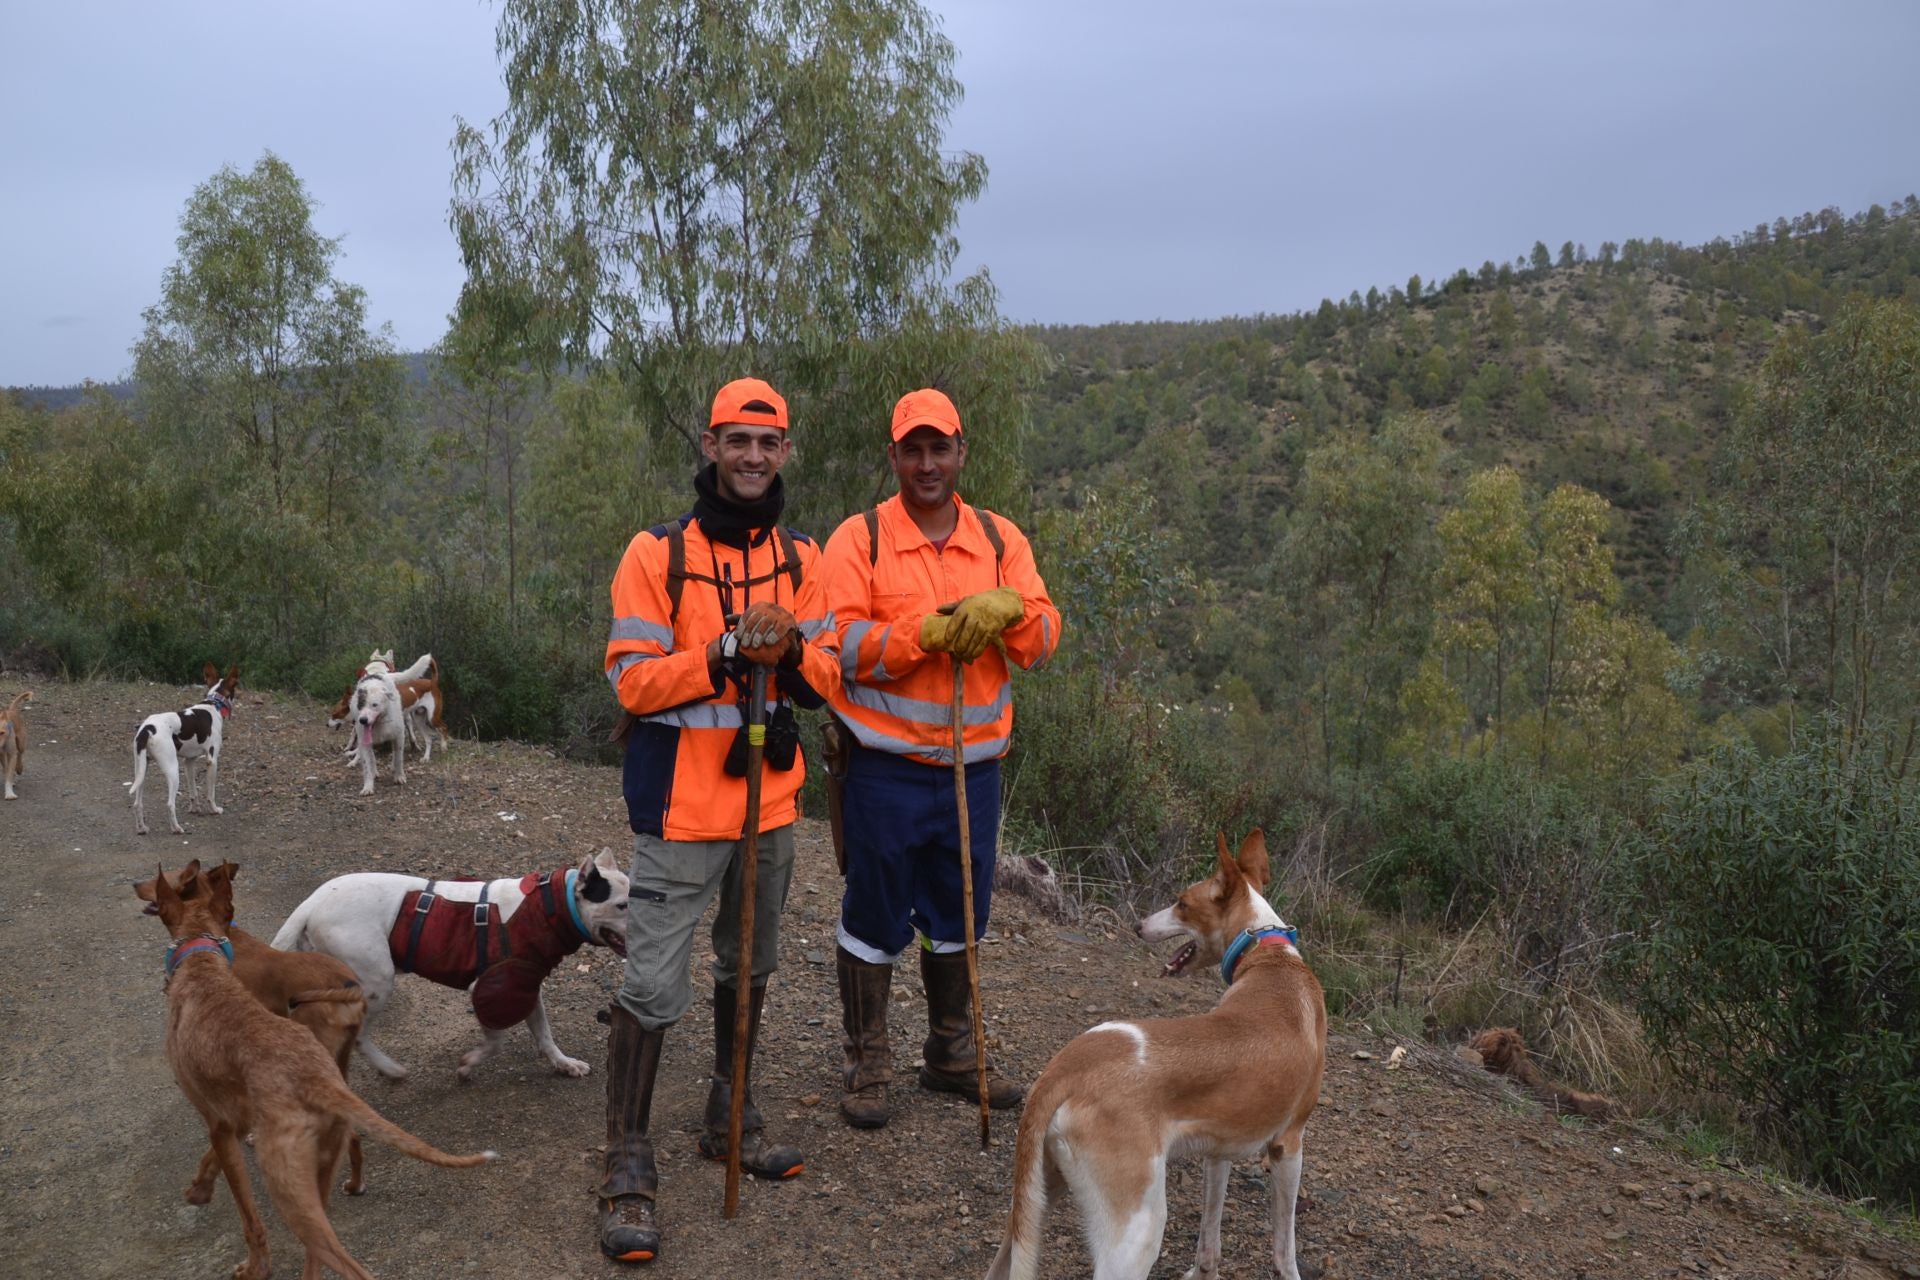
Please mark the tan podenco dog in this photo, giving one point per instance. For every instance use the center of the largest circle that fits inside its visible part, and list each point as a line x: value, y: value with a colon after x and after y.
x: 1233, y: 1084
x: 13, y: 743
x: 246, y: 1070
x: 314, y: 990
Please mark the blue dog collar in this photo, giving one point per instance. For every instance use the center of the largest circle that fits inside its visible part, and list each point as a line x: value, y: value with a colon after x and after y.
x: 1270, y: 936
x: 223, y: 705
x: 205, y: 942
x: 573, y: 908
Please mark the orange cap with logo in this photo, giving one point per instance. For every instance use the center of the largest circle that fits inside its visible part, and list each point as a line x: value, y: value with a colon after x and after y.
x: 748, y: 402
x: 925, y: 408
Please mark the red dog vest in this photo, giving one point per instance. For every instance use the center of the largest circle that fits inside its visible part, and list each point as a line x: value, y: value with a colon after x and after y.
x: 467, y: 945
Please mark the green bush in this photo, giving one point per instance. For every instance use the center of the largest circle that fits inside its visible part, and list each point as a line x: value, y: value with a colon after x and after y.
x: 1454, y: 836
x: 1781, y: 961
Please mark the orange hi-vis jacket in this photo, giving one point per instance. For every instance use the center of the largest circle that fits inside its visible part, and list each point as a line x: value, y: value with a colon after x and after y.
x: 676, y: 782
x: 894, y: 695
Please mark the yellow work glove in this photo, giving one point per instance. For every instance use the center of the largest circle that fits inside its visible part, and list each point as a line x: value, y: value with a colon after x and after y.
x: 936, y: 633
x: 979, y: 619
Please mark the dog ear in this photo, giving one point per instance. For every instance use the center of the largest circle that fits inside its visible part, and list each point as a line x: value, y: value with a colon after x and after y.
x: 605, y: 860
x: 233, y: 678
x: 210, y: 674
x: 1253, y: 859
x: 164, y: 894
x: 596, y: 887
x: 1226, y: 877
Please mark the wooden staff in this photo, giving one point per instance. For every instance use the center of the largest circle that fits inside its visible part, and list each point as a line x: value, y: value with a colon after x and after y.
x: 966, y: 888
x: 749, y: 877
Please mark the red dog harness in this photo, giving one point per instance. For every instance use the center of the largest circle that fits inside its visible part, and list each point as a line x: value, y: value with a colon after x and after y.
x: 467, y: 945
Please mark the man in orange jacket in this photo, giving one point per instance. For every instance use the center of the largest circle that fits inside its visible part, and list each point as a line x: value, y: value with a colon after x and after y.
x: 679, y: 664
x: 916, y: 585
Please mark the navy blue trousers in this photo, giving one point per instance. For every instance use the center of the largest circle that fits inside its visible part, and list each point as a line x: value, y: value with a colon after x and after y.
x: 903, y: 853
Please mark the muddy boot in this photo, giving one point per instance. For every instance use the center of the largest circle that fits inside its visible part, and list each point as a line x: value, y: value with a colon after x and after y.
x: 758, y: 1156
x: 949, y: 1049
x: 864, y: 989
x: 627, y: 1230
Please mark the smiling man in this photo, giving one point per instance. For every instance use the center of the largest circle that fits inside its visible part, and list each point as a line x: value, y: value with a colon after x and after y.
x: 919, y: 583
x: 680, y: 672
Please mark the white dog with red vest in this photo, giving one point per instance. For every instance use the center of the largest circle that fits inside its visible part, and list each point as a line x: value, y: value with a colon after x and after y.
x: 353, y: 917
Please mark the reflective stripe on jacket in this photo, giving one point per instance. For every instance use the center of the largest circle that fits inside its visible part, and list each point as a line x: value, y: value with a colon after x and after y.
x: 676, y: 783
x: 894, y: 695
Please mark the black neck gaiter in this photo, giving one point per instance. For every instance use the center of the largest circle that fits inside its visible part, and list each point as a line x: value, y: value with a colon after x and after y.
x: 728, y: 520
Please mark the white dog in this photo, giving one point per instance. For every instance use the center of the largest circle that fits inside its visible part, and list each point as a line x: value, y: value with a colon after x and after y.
x: 500, y: 937
x: 379, y: 716
x: 193, y: 735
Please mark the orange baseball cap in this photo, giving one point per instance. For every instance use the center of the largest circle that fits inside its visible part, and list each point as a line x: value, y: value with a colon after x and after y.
x: 748, y: 402
x: 925, y: 408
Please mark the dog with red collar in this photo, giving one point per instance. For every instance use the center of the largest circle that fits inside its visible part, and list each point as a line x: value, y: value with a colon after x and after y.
x: 498, y: 939
x: 193, y: 736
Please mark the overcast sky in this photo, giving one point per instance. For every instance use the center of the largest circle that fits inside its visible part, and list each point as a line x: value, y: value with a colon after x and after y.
x: 1148, y: 160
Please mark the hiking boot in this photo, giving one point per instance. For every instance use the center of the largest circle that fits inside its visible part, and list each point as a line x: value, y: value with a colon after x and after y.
x: 628, y: 1232
x: 864, y: 989
x: 758, y: 1156
x: 949, y: 1064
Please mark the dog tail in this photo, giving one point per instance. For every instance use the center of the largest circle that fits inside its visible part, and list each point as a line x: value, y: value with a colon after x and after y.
x: 419, y: 668
x: 1019, y: 1256
x: 328, y: 995
x: 139, y: 758
x: 25, y: 695
x: 355, y: 1108
x: 293, y: 934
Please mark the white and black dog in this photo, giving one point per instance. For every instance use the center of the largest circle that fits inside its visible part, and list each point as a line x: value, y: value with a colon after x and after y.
x: 379, y: 715
x: 193, y: 735
x: 500, y: 938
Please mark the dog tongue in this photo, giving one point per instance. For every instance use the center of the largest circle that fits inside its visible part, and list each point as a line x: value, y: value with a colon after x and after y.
x: 1180, y: 960
x: 366, y: 735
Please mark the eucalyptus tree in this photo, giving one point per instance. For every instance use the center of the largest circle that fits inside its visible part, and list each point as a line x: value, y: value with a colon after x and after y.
x: 275, y: 402
x: 680, y: 192
x: 1810, y: 540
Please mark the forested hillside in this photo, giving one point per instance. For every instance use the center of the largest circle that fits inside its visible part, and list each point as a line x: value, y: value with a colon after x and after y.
x: 1559, y: 617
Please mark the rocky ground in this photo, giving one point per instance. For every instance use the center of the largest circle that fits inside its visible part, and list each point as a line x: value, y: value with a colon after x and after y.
x: 1430, y: 1170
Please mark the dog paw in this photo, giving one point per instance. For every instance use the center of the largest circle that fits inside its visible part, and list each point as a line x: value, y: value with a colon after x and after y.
x: 218, y: 809
x: 199, y: 1193
x: 571, y: 1067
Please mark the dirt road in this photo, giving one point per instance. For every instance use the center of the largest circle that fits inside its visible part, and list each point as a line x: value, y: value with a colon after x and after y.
x: 1422, y: 1172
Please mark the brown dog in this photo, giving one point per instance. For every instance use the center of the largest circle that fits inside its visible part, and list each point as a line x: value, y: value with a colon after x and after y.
x: 1237, y: 1083
x: 315, y: 990
x: 245, y: 1070
x: 13, y: 743
x: 1504, y: 1053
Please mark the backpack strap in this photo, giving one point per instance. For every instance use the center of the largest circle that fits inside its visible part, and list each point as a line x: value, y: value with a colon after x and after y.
x: 791, y: 554
x: 991, y: 527
x: 872, y: 516
x: 676, y: 569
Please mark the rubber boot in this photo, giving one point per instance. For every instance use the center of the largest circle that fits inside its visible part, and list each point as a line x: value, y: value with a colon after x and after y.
x: 628, y: 1232
x: 759, y: 1157
x: 949, y: 1064
x: 864, y: 989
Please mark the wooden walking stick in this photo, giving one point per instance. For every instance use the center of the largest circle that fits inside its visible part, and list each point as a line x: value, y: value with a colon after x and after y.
x: 966, y: 888
x: 749, y: 878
